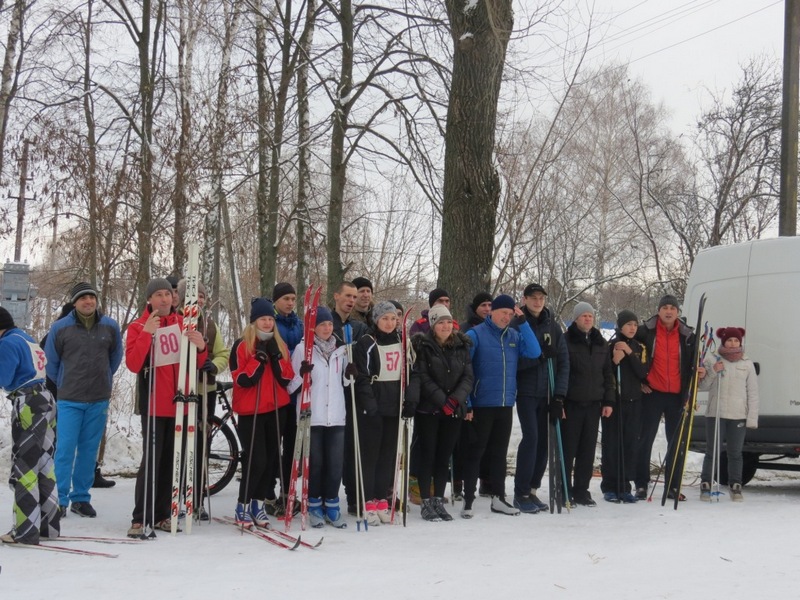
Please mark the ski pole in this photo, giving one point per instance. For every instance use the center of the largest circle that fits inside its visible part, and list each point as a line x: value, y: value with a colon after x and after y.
x: 253, y: 442
x: 359, y: 474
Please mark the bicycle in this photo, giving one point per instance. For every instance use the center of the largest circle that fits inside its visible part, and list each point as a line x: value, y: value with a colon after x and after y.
x: 225, y: 449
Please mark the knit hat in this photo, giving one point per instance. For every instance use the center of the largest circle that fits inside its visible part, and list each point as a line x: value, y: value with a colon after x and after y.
x: 479, y: 299
x: 397, y: 305
x: 438, y: 313
x: 155, y: 285
x: 261, y: 307
x: 282, y: 289
x: 81, y: 289
x: 580, y: 308
x: 382, y: 308
x: 670, y: 300
x: 436, y: 294
x: 726, y: 333
x: 361, y: 282
x: 503, y: 301
x: 6, y: 320
x: 323, y: 315
x: 173, y: 281
x: 201, y: 289
x: 626, y: 316
x: 532, y: 288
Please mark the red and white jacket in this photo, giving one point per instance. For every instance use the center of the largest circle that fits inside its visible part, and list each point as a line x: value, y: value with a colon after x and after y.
x: 258, y: 383
x: 138, y: 344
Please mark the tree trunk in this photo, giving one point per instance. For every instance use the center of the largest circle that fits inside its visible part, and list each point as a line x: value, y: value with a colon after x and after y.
x: 262, y: 193
x: 336, y: 270
x: 11, y: 66
x: 303, y: 140
x: 471, y: 181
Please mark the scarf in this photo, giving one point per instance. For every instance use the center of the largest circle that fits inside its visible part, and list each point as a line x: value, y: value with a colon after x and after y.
x: 264, y: 335
x: 326, y: 347
x: 731, y: 354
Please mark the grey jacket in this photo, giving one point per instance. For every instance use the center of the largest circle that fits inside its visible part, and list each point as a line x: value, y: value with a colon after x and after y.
x: 736, y: 387
x: 81, y: 361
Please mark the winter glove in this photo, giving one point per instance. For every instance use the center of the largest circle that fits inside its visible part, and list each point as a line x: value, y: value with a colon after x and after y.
x: 272, y: 348
x: 306, y: 367
x: 261, y: 356
x: 209, y: 367
x: 409, y: 410
x: 548, y: 351
x: 351, y: 371
x: 556, y: 408
x: 450, y: 406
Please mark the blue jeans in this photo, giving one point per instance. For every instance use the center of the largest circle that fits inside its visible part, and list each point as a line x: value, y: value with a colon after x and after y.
x: 80, y: 429
x: 326, y: 461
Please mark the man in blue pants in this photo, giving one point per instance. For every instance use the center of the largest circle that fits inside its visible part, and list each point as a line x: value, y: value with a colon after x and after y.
x: 84, y: 350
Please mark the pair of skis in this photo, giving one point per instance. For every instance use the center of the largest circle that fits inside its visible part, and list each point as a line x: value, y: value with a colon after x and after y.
x: 559, y: 494
x: 302, y: 440
x: 186, y: 394
x: 275, y: 537
x: 681, y: 442
x: 401, y: 473
x: 361, y: 511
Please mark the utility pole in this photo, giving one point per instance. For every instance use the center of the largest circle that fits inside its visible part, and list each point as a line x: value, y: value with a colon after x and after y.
x: 23, y: 180
x: 787, y: 209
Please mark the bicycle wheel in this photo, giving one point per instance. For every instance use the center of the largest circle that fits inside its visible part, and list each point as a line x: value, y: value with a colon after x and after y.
x: 223, y: 455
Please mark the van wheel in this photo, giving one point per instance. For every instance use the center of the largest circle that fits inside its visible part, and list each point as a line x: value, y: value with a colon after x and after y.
x: 749, y: 467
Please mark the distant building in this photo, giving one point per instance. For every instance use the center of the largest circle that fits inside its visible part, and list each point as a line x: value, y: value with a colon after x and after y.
x: 16, y: 292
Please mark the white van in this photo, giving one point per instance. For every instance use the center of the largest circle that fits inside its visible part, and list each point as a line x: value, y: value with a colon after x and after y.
x: 756, y: 285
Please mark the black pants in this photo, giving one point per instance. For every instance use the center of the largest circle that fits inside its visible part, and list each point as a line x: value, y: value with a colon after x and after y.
x: 289, y: 435
x: 621, y: 447
x: 580, y: 440
x: 155, y: 471
x: 377, y: 437
x: 260, y: 469
x: 532, y: 449
x: 654, y: 405
x: 487, y: 435
x: 436, y: 440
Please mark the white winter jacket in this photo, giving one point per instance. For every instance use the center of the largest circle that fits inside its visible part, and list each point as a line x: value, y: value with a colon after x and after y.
x: 327, y: 385
x: 736, y: 387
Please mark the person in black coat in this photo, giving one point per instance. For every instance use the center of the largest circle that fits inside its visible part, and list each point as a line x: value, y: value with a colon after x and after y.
x: 380, y: 362
x: 590, y: 394
x: 621, y: 430
x: 437, y: 399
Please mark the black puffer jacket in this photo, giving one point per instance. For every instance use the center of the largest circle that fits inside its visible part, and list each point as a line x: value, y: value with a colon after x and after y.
x: 440, y: 372
x: 379, y: 358
x: 590, y: 375
x: 632, y: 369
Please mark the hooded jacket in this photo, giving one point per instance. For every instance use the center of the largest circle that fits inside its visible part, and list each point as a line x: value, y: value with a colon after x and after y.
x: 258, y: 387
x: 590, y: 374
x: 439, y: 373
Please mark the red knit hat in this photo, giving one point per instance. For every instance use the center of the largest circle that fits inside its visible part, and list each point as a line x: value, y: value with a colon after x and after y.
x: 725, y: 333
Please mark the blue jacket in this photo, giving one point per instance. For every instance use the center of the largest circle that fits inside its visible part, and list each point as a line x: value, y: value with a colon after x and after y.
x: 495, y: 354
x: 22, y: 361
x: 81, y: 361
x: 291, y: 329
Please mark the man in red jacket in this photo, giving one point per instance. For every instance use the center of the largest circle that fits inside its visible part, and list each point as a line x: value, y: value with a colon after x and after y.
x: 152, y: 341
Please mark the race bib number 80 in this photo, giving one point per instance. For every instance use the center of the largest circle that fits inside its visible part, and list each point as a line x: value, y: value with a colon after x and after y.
x: 167, y: 345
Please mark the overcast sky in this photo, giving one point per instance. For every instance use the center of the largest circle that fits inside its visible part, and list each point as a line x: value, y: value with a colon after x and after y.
x: 681, y: 48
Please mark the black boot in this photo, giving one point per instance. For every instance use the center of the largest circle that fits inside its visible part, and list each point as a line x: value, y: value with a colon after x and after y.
x: 100, y: 481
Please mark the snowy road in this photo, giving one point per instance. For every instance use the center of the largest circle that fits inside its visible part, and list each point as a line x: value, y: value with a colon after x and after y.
x: 643, y: 551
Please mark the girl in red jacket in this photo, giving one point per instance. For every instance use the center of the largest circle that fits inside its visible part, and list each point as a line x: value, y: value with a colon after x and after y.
x: 261, y: 368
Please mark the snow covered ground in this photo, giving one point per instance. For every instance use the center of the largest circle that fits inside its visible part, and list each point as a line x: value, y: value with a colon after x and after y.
x: 640, y: 551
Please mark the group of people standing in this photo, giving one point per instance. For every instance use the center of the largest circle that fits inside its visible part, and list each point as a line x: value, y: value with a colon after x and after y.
x: 459, y: 384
